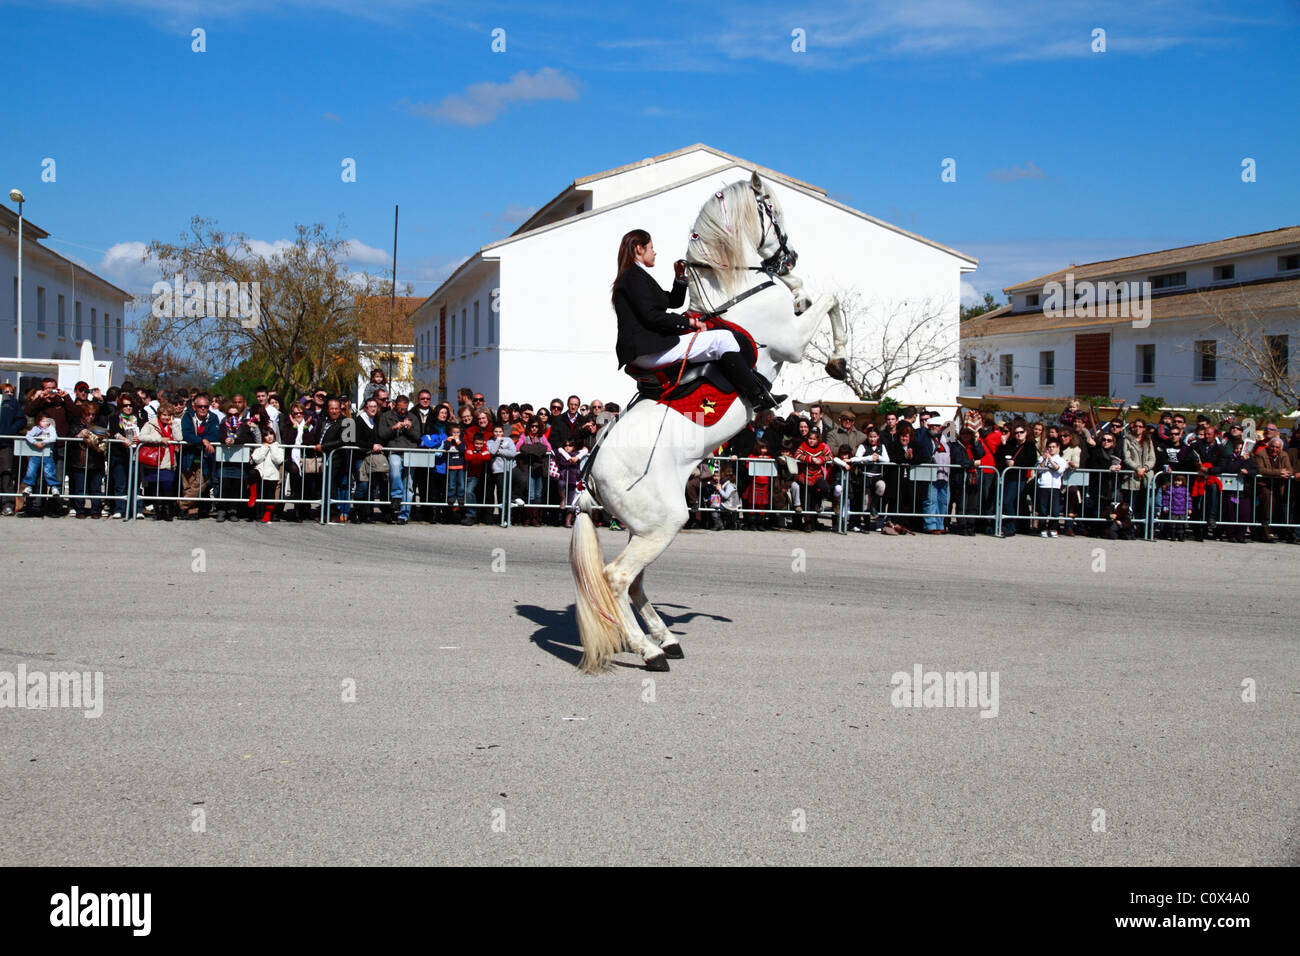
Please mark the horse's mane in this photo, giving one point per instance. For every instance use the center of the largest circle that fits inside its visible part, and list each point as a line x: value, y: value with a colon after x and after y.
x: 722, y: 231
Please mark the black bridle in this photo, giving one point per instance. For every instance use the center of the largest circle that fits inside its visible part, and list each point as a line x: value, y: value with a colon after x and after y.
x: 778, y: 263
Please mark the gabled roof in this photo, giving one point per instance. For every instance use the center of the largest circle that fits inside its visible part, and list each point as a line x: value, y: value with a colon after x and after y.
x: 1259, y: 296
x: 798, y: 185
x: 795, y: 184
x: 650, y: 161
x: 1165, y: 258
x: 574, y: 189
x: 9, y: 219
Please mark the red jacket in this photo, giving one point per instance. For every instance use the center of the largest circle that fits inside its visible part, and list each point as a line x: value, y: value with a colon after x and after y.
x: 991, y: 442
x: 476, y: 461
x: 814, y: 460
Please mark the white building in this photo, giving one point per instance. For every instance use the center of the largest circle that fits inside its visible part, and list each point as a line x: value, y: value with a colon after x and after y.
x: 1183, y: 350
x: 63, y: 303
x: 529, y: 317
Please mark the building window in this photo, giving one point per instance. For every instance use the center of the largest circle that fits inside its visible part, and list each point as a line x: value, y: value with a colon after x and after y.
x: 1288, y: 263
x: 108, y: 329
x: 464, y: 331
x: 1224, y: 273
x: 1146, y: 365
x: 119, y: 333
x: 451, y: 336
x: 969, y: 375
x: 94, y: 325
x: 1047, y: 368
x: 76, y: 322
x: 40, y: 308
x: 1032, y: 300
x: 63, y: 317
x: 15, y: 300
x: 1206, y: 367
x: 1279, y: 348
x: 1170, y: 280
x: 476, y: 323
x: 494, y: 303
x: 1006, y: 365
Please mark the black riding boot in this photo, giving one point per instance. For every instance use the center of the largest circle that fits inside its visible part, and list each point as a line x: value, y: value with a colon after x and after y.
x: 748, y: 383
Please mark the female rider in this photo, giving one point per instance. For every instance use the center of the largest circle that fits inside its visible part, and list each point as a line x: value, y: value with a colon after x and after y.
x: 649, y: 336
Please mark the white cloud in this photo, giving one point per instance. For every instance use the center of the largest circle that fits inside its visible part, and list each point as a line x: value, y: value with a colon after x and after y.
x: 123, y: 264
x: 482, y: 103
x: 354, y: 250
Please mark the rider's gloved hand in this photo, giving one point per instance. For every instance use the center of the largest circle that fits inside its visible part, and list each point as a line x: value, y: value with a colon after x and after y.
x: 679, y: 268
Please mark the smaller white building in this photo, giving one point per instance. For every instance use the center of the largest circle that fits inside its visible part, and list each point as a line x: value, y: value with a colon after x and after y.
x: 63, y: 304
x: 1167, y: 324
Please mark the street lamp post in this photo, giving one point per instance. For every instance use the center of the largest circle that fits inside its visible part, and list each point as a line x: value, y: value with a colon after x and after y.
x: 17, y: 196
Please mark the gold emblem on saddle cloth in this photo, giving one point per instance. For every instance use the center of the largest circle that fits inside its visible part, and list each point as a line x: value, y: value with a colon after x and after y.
x: 707, y: 406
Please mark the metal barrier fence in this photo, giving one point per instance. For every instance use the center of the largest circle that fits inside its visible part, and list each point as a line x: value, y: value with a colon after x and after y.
x: 86, y: 477
x: 111, y: 473
x: 1230, y: 504
x: 391, y: 478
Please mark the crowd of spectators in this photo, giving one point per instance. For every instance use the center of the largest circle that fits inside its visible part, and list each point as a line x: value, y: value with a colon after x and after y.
x: 900, y: 473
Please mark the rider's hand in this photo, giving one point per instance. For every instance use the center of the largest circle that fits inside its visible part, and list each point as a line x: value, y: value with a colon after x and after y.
x: 679, y: 268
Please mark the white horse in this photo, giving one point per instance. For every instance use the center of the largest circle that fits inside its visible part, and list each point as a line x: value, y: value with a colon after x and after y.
x: 640, y: 469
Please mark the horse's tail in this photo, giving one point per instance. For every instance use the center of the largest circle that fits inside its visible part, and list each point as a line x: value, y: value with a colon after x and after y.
x: 596, y: 608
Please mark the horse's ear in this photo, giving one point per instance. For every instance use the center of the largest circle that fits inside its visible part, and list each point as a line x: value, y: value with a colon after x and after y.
x: 756, y: 184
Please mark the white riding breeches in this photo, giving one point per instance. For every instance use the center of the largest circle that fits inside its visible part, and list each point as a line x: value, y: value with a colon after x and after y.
x: 707, y: 346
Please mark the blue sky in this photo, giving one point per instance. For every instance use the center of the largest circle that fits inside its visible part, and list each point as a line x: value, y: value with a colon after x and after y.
x: 1063, y: 154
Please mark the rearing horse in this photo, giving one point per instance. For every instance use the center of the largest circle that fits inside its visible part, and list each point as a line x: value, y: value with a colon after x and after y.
x: 737, y: 248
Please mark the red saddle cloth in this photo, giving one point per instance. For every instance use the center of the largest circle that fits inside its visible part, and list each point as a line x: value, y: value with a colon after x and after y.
x: 700, y: 400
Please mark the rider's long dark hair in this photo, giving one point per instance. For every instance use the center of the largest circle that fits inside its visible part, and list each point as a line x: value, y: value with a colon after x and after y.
x: 627, y: 247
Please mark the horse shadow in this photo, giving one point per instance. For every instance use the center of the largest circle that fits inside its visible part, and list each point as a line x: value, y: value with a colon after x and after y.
x: 557, y: 631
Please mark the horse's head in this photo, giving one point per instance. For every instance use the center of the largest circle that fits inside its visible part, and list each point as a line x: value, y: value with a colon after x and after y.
x: 741, y: 229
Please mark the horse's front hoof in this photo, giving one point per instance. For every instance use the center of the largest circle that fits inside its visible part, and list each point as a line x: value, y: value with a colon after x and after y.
x: 837, y: 369
x: 659, y: 663
x: 674, y: 651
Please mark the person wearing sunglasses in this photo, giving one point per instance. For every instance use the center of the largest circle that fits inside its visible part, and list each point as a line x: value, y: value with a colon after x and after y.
x: 1016, y: 457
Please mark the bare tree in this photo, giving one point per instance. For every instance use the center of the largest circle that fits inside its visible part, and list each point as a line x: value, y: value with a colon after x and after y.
x: 1243, y: 317
x: 891, y: 342
x: 295, y: 308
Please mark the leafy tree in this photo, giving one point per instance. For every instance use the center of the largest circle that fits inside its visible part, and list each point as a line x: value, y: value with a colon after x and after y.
x: 970, y: 311
x: 298, y: 305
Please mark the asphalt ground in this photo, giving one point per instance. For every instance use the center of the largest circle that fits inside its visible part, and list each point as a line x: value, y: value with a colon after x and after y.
x: 229, y: 652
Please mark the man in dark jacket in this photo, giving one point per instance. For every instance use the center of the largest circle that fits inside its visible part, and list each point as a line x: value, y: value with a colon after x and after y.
x: 333, y: 438
x: 201, y: 433
x: 12, y: 422
x: 399, y: 428
x: 572, y: 424
x: 1015, y: 458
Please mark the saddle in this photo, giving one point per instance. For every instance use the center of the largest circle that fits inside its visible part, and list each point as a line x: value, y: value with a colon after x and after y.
x: 674, y: 383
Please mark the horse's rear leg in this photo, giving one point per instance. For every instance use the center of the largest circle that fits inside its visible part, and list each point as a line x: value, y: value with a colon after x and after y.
x: 659, y: 632
x: 626, y: 569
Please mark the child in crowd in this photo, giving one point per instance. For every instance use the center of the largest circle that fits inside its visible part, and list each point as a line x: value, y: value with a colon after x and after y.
x: 758, y: 496
x: 1050, y: 470
x: 568, y: 459
x: 843, y: 475
x: 268, y: 459
x: 43, y: 433
x: 1121, y: 524
x: 454, y: 445
x: 1176, y: 507
x: 476, y: 464
x: 729, y: 499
